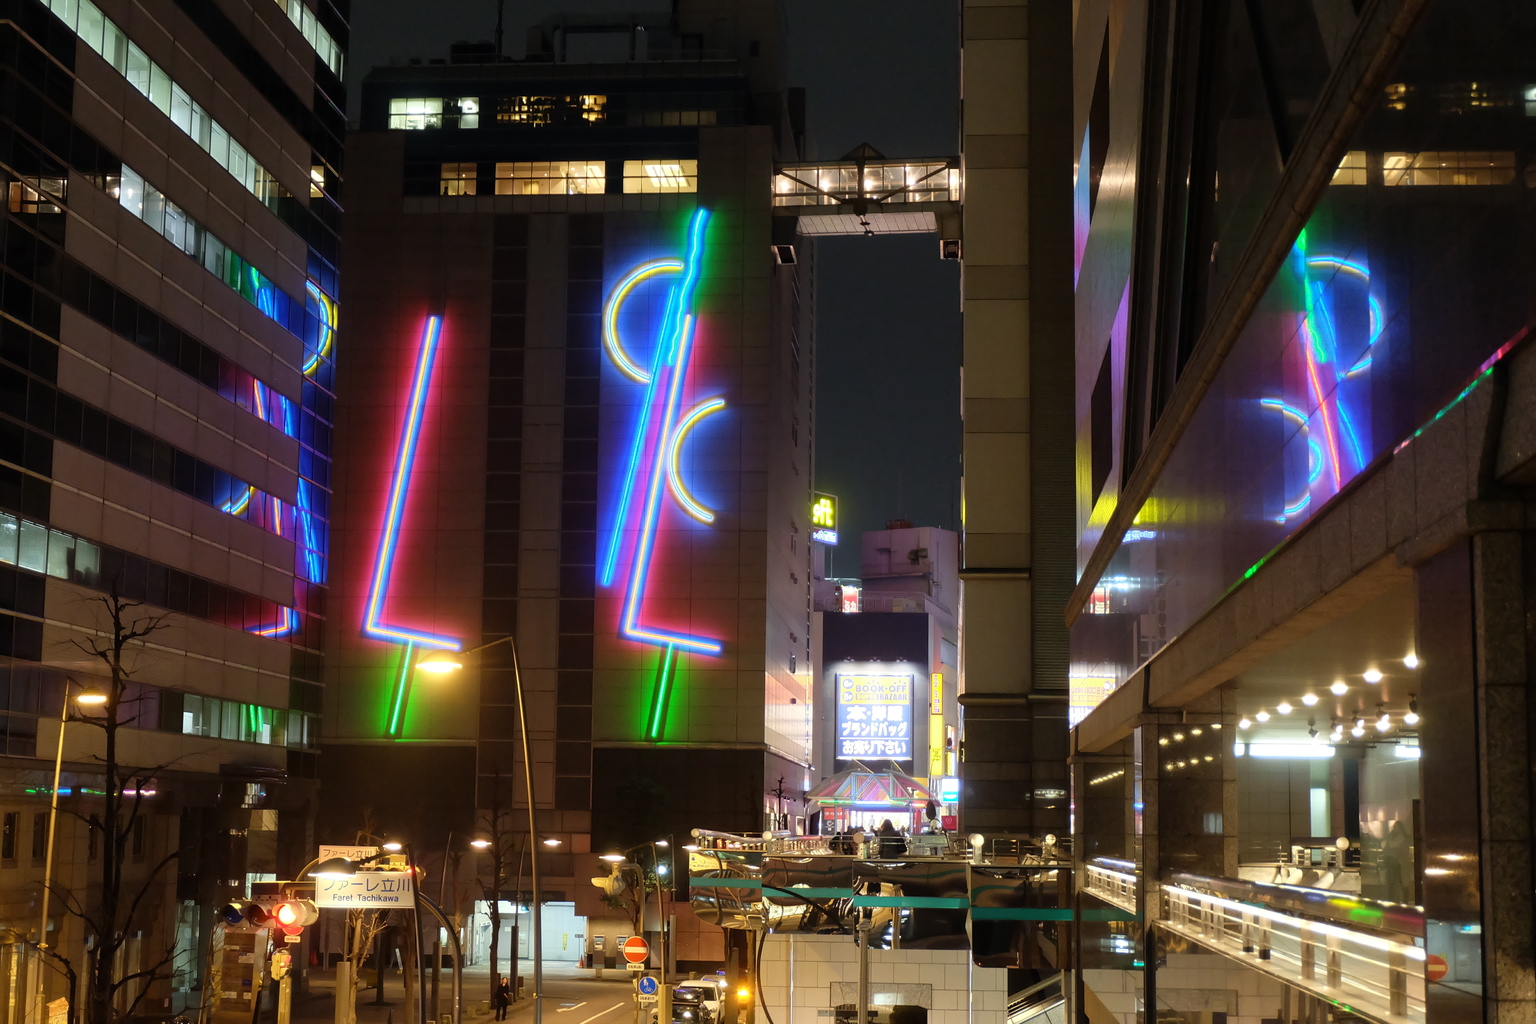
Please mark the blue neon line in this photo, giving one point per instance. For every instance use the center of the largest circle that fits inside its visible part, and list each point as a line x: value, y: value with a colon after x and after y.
x: 642, y: 429
x: 678, y: 343
x: 1281, y: 406
x: 399, y: 489
x: 1349, y: 430
x: 1314, y: 461
x: 1291, y: 510
x: 1317, y: 309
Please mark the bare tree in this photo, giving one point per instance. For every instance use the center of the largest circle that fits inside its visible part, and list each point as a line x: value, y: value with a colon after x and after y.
x: 115, y: 915
x: 502, y: 860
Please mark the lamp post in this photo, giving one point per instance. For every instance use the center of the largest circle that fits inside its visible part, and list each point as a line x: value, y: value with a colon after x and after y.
x: 88, y: 696
x: 664, y: 998
x: 440, y: 662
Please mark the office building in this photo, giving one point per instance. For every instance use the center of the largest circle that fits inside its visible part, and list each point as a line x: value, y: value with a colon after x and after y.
x: 582, y: 423
x: 1300, y: 635
x: 167, y: 326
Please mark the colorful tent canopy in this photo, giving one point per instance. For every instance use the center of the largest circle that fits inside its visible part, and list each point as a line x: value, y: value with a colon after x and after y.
x: 860, y: 787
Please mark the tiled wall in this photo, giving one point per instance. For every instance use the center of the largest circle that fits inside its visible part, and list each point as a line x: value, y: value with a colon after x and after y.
x: 1188, y: 984
x: 808, y: 965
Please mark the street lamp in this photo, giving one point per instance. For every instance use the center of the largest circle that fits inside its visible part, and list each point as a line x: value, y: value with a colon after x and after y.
x: 664, y: 1006
x: 89, y: 697
x: 443, y: 662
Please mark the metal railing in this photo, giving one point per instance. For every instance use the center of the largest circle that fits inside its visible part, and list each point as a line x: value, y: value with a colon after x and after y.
x: 1035, y: 1000
x: 865, y: 845
x: 1117, y: 887
x: 1375, y: 976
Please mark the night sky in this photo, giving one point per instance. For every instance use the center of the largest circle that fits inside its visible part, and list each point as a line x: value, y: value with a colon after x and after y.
x: 888, y: 313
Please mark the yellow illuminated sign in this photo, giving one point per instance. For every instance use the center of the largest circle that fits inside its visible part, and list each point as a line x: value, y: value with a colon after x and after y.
x: 824, y: 518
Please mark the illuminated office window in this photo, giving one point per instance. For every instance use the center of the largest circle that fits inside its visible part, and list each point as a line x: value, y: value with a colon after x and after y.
x: 552, y: 110
x: 1351, y: 169
x: 1448, y: 168
x: 415, y: 114
x: 1530, y: 100
x: 458, y: 179
x: 550, y: 178
x: 35, y: 195
x: 661, y: 175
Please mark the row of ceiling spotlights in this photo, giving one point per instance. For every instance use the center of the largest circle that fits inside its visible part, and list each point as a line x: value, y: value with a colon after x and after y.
x: 1338, y: 688
x: 1383, y: 719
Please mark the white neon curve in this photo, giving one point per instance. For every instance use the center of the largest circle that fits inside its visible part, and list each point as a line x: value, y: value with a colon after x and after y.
x: 675, y: 484
x: 611, y: 340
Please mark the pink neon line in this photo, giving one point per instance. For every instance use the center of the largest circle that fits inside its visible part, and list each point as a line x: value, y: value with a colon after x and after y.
x: 1322, y: 407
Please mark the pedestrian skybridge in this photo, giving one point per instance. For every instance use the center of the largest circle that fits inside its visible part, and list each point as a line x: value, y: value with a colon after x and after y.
x: 867, y: 193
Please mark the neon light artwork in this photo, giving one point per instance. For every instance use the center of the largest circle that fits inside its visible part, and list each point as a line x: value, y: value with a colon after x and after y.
x: 374, y: 625
x: 675, y: 485
x: 326, y: 313
x: 1338, y: 327
x: 654, y: 466
x: 612, y: 343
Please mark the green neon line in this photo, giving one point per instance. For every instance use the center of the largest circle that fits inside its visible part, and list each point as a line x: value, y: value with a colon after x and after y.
x: 401, y: 692
x: 661, y: 693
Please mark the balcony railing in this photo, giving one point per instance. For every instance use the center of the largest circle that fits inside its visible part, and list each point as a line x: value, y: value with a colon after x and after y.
x: 1373, y: 974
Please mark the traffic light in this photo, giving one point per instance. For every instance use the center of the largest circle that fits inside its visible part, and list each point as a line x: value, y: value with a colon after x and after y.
x: 287, y: 915
x: 255, y: 913
x: 293, y: 915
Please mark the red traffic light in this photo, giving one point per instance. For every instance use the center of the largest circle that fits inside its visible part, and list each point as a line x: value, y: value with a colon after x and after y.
x: 292, y: 915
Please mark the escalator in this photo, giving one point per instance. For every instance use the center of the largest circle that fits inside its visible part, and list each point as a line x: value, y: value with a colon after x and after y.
x: 1043, y: 1003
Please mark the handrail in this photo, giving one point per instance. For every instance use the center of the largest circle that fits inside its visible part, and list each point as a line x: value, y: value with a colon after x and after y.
x: 1376, y: 916
x: 1035, y: 1000
x: 1375, y: 977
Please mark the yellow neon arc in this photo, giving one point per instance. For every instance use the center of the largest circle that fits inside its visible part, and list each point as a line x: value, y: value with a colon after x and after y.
x: 611, y: 339
x: 675, y: 484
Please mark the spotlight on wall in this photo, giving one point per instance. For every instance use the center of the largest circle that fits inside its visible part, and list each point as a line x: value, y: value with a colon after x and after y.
x: 1411, y: 660
x: 1309, y: 699
x: 1412, y: 717
x: 1284, y: 707
x: 1339, y: 688
x: 1373, y: 675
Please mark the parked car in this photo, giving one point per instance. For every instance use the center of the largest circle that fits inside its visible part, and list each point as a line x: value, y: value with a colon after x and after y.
x: 696, y: 1001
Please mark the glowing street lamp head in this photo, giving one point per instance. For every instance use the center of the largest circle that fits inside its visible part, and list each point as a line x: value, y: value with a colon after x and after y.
x: 439, y: 663
x: 91, y: 697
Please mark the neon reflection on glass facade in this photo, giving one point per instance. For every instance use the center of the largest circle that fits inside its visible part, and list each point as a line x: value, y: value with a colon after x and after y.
x: 661, y: 430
